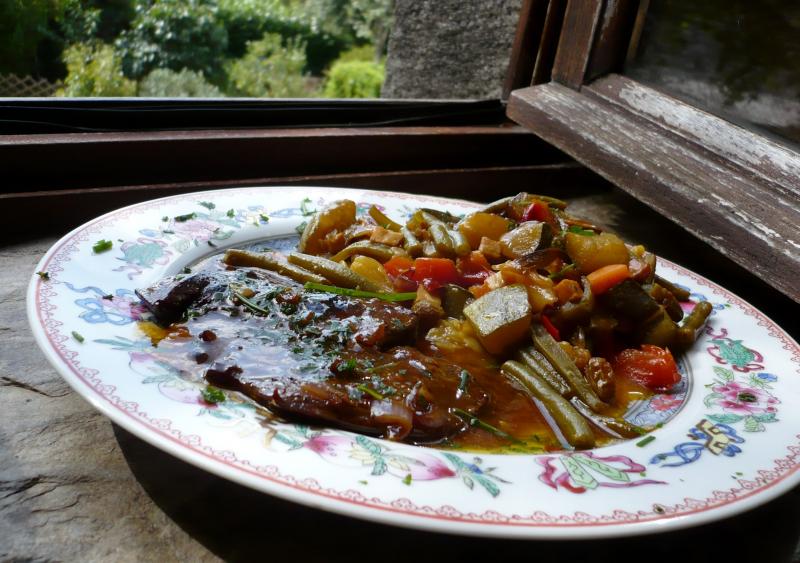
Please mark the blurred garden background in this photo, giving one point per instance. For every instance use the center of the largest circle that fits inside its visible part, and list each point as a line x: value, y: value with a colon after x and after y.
x: 194, y: 48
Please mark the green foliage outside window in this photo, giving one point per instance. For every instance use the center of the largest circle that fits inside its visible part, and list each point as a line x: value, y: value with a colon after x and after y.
x: 286, y: 48
x: 355, y: 79
x: 174, y: 34
x: 166, y: 83
x: 94, y: 70
x: 271, y: 69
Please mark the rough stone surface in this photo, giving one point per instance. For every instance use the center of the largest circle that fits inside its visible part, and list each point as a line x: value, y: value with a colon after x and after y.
x: 450, y: 48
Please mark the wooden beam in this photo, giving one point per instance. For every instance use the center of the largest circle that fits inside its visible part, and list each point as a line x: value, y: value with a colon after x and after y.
x: 575, y: 44
x: 548, y: 45
x: 87, y: 160
x: 526, y: 45
x: 60, y: 210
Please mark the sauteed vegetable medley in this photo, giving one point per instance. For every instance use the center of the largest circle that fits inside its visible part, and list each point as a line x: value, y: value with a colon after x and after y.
x: 515, y: 327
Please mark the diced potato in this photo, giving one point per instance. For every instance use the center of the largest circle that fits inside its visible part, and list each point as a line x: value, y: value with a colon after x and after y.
x: 372, y: 270
x: 501, y: 318
x: 527, y: 238
x: 490, y: 248
x: 592, y: 252
x: 385, y: 236
x: 540, y: 297
x: 338, y: 215
x: 477, y: 225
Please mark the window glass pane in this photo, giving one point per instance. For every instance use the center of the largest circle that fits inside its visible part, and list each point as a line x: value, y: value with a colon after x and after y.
x: 255, y: 48
x: 739, y: 59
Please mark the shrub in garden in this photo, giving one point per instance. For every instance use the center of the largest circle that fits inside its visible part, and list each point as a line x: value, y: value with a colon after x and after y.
x: 165, y: 83
x: 355, y: 79
x: 270, y: 69
x: 94, y: 70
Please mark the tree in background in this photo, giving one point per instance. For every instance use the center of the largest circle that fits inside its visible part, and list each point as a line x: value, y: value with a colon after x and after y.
x: 23, y: 26
x: 174, y: 34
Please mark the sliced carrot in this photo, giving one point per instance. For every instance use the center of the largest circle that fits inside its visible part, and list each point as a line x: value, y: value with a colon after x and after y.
x: 603, y: 279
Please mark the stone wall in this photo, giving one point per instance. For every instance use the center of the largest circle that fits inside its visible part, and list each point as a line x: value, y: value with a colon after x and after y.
x: 450, y: 48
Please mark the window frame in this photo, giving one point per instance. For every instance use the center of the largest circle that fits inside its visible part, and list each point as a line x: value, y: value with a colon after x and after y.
x: 731, y: 187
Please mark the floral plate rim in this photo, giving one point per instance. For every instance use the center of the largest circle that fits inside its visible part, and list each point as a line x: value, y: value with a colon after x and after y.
x: 768, y: 484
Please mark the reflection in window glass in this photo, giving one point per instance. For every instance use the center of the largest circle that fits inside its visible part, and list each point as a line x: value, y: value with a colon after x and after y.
x: 736, y: 58
x: 194, y: 48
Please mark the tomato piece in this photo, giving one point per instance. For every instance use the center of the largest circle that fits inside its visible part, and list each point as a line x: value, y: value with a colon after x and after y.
x: 538, y: 211
x: 651, y: 366
x: 435, y: 272
x: 474, y: 269
x: 398, y: 265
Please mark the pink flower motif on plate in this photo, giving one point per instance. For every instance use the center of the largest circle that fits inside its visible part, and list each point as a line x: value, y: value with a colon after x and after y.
x: 740, y: 399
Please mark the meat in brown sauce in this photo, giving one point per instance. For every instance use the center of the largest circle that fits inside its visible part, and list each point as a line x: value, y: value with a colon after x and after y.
x: 313, y: 357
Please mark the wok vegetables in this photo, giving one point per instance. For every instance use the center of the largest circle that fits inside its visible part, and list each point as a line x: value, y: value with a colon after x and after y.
x: 573, y: 321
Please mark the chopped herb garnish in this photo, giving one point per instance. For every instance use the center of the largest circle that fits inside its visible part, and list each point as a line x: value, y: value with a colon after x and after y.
x: 643, y: 442
x: 108, y: 297
x: 213, y: 395
x: 102, y: 245
x: 231, y: 213
x: 407, y: 479
x: 578, y: 230
x: 44, y: 275
x: 250, y: 305
x: 301, y: 227
x: 462, y: 384
x: 168, y: 231
x: 210, y: 243
x: 304, y: 207
x: 358, y: 293
x: 369, y: 391
x: 184, y: 218
x: 77, y: 336
x: 207, y: 204
x: 347, y: 365
x: 478, y: 423
x: 264, y: 217
x: 187, y: 270
x: 165, y: 218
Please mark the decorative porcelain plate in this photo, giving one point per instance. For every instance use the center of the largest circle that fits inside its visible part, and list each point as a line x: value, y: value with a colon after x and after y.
x: 731, y: 440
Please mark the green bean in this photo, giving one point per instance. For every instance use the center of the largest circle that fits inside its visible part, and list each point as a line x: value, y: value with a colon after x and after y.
x: 693, y: 324
x: 333, y: 272
x: 381, y: 219
x: 380, y: 252
x: 460, y: 244
x: 617, y: 427
x: 410, y: 242
x: 574, y: 427
x: 538, y: 363
x: 271, y: 262
x: 441, y: 239
x: 679, y: 293
x: 564, y: 365
x: 442, y: 216
x: 497, y: 206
